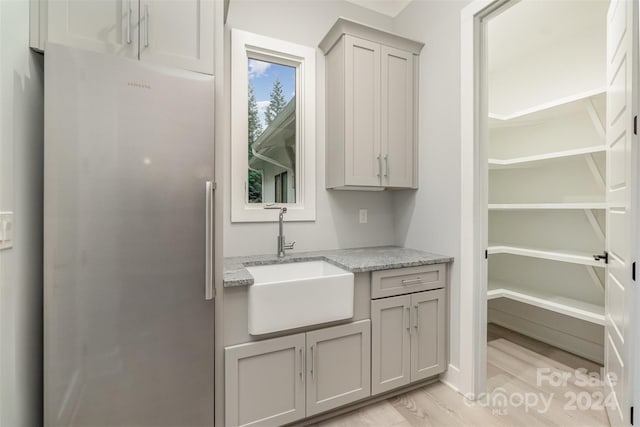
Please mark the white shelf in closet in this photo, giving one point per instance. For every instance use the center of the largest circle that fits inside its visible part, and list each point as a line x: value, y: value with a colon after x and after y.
x: 567, y: 306
x: 548, y: 206
x: 540, y: 111
x: 540, y: 159
x: 552, y: 255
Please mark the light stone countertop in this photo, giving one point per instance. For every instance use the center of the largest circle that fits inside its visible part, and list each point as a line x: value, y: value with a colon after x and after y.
x: 358, y: 260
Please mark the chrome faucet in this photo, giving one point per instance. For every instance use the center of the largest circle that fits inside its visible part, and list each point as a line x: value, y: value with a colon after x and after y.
x: 282, y: 245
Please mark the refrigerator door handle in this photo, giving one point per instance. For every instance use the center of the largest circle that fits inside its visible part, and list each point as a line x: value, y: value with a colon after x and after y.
x: 146, y: 25
x: 208, y: 252
x: 128, y: 21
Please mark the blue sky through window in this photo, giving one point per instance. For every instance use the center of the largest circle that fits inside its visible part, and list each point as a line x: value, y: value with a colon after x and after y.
x: 262, y: 74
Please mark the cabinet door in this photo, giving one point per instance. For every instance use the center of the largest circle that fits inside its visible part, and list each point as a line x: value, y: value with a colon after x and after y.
x: 264, y: 382
x: 397, y: 122
x: 390, y: 343
x: 178, y: 33
x: 428, y: 342
x: 106, y: 26
x: 338, y: 366
x: 362, y: 112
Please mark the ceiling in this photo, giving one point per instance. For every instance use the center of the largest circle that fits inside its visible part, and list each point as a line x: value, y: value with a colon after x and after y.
x: 386, y: 7
x: 531, y: 25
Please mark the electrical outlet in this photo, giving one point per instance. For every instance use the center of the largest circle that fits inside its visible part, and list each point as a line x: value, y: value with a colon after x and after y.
x: 6, y: 230
x: 363, y: 216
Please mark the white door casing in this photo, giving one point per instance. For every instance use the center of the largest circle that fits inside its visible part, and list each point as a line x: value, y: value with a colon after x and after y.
x: 470, y: 379
x: 619, y: 185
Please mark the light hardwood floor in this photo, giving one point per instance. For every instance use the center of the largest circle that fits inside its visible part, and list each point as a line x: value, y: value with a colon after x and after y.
x: 525, y: 388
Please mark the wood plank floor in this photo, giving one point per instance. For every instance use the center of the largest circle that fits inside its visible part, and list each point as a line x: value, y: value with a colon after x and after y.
x: 525, y: 388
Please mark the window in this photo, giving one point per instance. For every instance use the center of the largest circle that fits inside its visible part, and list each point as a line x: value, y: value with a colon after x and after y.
x: 273, y: 128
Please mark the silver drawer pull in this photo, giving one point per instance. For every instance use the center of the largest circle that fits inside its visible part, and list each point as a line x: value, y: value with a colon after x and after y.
x: 412, y: 281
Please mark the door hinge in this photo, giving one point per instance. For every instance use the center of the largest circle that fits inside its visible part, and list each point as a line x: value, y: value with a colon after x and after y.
x: 604, y: 257
x: 631, y: 416
x: 635, y: 125
x: 633, y: 271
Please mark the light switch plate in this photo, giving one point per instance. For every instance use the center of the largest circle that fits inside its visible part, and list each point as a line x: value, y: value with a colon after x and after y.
x: 6, y: 230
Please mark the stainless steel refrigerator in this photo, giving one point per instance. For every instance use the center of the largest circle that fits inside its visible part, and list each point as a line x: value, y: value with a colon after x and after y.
x: 128, y: 315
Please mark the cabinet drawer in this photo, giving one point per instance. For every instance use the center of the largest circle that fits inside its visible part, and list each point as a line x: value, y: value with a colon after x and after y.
x: 387, y: 283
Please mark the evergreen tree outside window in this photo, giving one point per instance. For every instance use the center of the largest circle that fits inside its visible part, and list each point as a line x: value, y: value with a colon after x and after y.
x: 255, y: 130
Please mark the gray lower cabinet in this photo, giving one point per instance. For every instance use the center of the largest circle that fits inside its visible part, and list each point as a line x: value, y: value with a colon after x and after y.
x: 408, y: 339
x: 390, y: 343
x: 264, y: 382
x: 428, y: 343
x: 338, y: 366
x: 268, y: 382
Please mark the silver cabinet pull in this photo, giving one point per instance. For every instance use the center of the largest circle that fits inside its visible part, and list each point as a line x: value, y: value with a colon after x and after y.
x: 301, y: 366
x: 417, y: 316
x: 386, y: 165
x: 146, y: 25
x: 208, y: 251
x: 408, y: 322
x: 379, y: 165
x: 313, y: 362
x: 128, y: 21
x: 412, y: 281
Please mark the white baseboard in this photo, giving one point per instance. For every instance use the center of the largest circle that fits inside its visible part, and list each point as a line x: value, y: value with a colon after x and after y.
x: 575, y: 336
x: 451, y: 378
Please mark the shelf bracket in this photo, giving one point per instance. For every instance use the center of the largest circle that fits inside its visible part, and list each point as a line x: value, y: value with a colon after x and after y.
x: 594, y: 277
x: 595, y: 224
x: 598, y: 123
x: 591, y: 163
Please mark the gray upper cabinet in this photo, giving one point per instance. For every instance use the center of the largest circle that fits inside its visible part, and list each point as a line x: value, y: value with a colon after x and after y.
x: 371, y: 89
x: 264, y: 382
x: 174, y: 33
x: 399, y: 145
x: 338, y: 366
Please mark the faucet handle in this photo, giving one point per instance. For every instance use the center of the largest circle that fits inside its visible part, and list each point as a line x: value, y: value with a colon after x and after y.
x: 289, y: 245
x: 274, y: 206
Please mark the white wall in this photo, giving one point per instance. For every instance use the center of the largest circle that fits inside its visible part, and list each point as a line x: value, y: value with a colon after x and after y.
x: 562, y: 70
x: 430, y: 218
x: 21, y: 162
x: 336, y: 225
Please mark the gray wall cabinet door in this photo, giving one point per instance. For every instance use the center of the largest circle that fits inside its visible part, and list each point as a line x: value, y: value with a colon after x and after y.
x: 397, y: 118
x: 390, y: 343
x: 265, y: 382
x: 338, y: 366
x: 362, y: 111
x: 428, y: 341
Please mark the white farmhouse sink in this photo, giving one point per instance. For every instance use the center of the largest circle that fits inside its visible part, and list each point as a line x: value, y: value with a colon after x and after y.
x: 287, y: 296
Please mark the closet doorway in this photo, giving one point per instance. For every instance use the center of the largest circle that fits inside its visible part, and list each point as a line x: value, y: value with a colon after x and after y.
x: 548, y: 132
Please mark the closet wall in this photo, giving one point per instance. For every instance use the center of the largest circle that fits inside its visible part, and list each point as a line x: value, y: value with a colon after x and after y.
x: 546, y: 172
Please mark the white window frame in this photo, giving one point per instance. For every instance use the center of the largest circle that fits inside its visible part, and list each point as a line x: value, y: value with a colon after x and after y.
x: 245, y: 45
